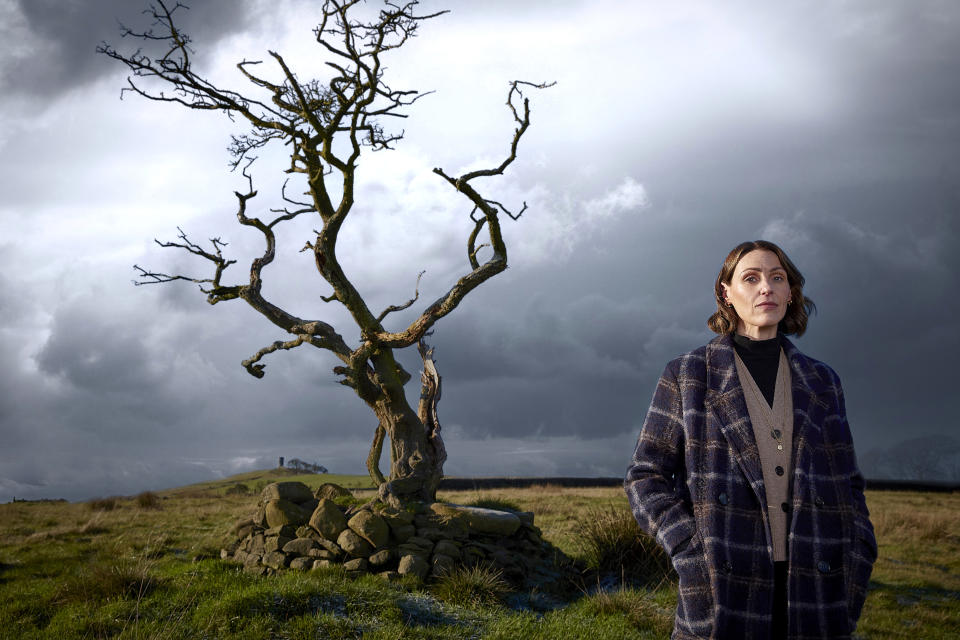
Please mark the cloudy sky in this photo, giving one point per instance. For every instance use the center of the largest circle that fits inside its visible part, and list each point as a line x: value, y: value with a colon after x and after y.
x: 675, y: 131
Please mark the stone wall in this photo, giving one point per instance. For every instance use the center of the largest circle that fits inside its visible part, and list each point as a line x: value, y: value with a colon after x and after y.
x: 296, y: 528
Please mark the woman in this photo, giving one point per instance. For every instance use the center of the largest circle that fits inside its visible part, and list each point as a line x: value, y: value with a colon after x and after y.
x: 745, y: 473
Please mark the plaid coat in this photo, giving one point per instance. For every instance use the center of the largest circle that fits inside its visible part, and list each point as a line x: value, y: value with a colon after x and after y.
x: 696, y: 485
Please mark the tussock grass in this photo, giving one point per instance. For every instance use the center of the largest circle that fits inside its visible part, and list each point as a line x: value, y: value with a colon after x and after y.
x: 148, y: 500
x: 103, y: 504
x: 611, y: 541
x: 238, y: 489
x: 108, y: 581
x: 476, y: 586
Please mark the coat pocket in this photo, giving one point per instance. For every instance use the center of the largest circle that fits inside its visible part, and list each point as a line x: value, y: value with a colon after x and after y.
x: 695, y: 602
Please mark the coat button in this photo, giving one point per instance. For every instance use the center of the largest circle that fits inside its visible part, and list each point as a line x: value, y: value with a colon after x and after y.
x: 779, y: 470
x: 818, y: 501
x: 823, y: 566
x: 727, y: 567
x: 785, y: 507
x: 722, y: 499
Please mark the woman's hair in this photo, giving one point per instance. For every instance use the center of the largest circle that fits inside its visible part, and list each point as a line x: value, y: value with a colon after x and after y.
x: 724, y: 320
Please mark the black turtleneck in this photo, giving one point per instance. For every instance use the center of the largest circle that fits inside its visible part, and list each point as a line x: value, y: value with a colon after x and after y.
x: 762, y: 358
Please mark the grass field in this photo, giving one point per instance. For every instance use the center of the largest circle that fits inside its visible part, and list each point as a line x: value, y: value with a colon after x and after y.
x: 148, y: 567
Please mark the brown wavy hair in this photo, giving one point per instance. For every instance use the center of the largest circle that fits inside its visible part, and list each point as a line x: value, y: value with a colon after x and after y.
x: 724, y: 320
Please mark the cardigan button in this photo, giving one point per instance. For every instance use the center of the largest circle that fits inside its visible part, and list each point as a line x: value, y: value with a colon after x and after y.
x: 727, y: 567
x: 785, y: 507
x: 823, y: 566
x: 779, y: 470
x: 722, y: 499
x: 818, y: 501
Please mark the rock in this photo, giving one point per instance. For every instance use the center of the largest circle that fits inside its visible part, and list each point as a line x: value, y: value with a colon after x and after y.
x: 330, y: 546
x: 396, y: 517
x: 300, y: 546
x: 283, y: 531
x: 292, y: 491
x: 526, y: 517
x: 479, y: 520
x: 371, y: 528
x: 275, y: 560
x: 301, y: 564
x: 240, y: 525
x: 446, y: 548
x: 472, y: 556
x: 414, y: 549
x: 280, y: 512
x: 317, y: 564
x: 381, y: 558
x: 328, y: 520
x: 357, y: 564
x: 257, y: 544
x: 389, y: 576
x: 353, y: 544
x: 239, y: 555
x: 329, y: 491
x: 431, y: 533
x: 275, y: 543
x: 413, y: 565
x: 421, y: 545
x: 322, y: 553
x: 402, y: 533
x: 305, y: 531
x: 260, y: 517
x: 442, y: 565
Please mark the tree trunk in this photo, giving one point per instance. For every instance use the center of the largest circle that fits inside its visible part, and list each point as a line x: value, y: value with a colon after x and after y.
x: 417, y: 450
x: 415, y: 469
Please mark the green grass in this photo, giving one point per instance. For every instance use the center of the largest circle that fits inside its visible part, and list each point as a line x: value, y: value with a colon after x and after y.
x: 151, y: 571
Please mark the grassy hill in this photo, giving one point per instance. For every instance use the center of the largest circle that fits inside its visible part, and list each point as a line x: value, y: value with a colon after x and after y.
x: 254, y: 481
x: 149, y: 567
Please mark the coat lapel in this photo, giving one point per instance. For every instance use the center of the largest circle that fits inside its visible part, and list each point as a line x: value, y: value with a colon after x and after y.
x: 809, y: 410
x: 724, y: 398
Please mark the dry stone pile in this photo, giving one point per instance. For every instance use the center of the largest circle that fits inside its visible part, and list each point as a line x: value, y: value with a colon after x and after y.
x: 296, y: 528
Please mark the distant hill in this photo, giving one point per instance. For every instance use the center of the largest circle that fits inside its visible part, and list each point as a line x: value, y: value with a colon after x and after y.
x: 254, y: 481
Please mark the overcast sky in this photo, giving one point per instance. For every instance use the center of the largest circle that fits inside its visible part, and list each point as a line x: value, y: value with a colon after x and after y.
x: 675, y: 131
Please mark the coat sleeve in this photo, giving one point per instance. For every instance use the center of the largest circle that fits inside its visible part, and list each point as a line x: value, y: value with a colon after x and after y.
x: 863, y: 549
x: 862, y: 525
x: 658, y: 459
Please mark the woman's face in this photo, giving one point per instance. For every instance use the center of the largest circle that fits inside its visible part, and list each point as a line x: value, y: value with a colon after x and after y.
x: 759, y: 292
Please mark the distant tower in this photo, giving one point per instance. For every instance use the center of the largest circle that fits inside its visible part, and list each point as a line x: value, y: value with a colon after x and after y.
x: 281, y: 462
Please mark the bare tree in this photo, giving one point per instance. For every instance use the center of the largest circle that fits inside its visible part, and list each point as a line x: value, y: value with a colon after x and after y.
x: 326, y: 126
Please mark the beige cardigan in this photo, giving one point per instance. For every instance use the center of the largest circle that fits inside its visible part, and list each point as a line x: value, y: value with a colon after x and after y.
x: 775, y: 453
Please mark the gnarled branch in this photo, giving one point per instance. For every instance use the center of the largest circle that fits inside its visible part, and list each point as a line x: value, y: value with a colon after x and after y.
x: 498, y: 261
x: 405, y: 305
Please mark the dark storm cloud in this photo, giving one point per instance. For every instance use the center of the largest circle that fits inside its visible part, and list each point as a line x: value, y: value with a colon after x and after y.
x: 60, y: 39
x: 845, y: 153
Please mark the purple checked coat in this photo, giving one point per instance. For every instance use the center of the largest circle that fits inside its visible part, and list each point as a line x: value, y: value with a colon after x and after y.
x: 696, y: 485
